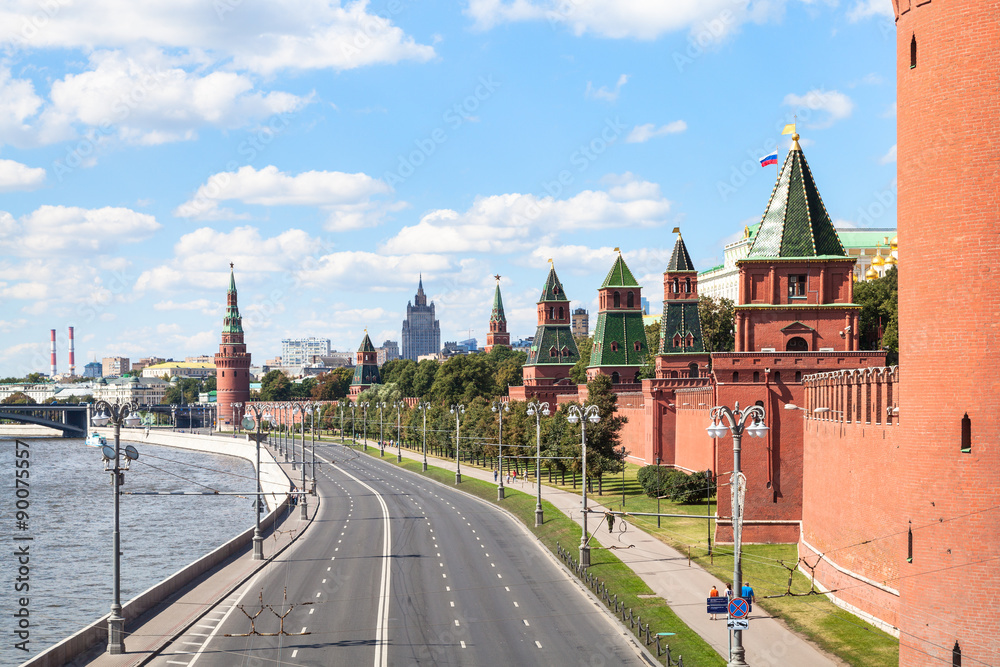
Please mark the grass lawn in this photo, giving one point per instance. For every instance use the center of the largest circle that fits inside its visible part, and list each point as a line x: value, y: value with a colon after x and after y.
x: 618, y: 578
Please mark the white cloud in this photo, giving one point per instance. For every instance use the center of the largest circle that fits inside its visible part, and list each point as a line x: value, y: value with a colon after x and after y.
x: 347, y: 198
x: 205, y: 306
x: 643, y: 133
x: 510, y: 223
x: 17, y: 176
x: 634, y: 19
x: 864, y: 9
x: 603, y: 93
x: 262, y: 37
x: 583, y: 260
x: 68, y: 230
x: 18, y: 104
x: 835, y: 105
x: 890, y: 156
x: 151, y: 99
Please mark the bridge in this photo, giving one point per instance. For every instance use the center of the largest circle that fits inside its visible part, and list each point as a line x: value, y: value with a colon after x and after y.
x: 70, y: 419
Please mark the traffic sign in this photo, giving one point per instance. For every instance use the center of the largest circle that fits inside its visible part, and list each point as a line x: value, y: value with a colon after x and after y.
x: 738, y: 624
x: 739, y: 608
x: 718, y: 605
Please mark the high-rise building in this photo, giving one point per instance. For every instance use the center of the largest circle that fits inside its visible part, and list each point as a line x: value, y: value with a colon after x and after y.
x: 232, y: 363
x: 388, y: 352
x: 93, y: 370
x: 421, y: 331
x: 115, y: 366
x: 299, y: 351
x: 581, y: 322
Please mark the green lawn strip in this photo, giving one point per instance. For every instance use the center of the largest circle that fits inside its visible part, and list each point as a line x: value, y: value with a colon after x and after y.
x: 619, y: 579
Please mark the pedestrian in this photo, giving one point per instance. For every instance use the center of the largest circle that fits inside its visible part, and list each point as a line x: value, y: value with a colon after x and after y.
x: 729, y: 591
x: 496, y: 475
x: 714, y: 593
x: 748, y: 595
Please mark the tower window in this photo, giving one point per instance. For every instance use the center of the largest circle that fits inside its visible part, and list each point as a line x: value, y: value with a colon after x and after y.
x: 798, y: 376
x: 687, y: 285
x: 638, y: 346
x: 736, y: 376
x: 693, y: 370
x: 796, y: 286
x: 797, y: 344
x: 560, y: 312
x: 913, y: 52
x: 756, y: 376
x: 966, y: 434
x: 677, y: 286
x: 777, y: 376
x: 617, y: 298
x: 615, y: 378
x: 614, y: 346
x: 956, y: 655
x: 909, y: 543
x: 630, y: 300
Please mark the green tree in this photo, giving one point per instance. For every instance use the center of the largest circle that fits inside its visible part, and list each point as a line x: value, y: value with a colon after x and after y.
x: 652, y: 347
x: 423, y: 379
x: 578, y: 374
x: 879, y: 301
x: 462, y: 378
x: 718, y: 329
x: 302, y: 389
x: 333, y: 385
x: 604, y: 447
x: 208, y: 384
x: 275, y: 386
x: 18, y: 398
x: 184, y: 392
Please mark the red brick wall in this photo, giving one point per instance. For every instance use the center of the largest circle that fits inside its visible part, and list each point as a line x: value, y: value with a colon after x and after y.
x: 633, y: 434
x: 693, y: 449
x: 948, y: 169
x: 848, y: 499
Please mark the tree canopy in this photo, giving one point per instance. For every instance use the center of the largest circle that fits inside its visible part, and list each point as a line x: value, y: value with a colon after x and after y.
x: 718, y: 328
x: 878, y: 321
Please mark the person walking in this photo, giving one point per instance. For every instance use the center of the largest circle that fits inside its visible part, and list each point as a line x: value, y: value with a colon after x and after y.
x: 729, y: 591
x: 496, y: 475
x: 748, y: 595
x: 714, y: 593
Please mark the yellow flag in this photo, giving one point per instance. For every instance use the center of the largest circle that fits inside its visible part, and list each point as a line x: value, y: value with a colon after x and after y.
x: 677, y: 230
x: 789, y: 129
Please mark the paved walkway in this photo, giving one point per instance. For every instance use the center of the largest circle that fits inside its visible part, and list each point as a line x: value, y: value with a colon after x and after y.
x: 666, y: 571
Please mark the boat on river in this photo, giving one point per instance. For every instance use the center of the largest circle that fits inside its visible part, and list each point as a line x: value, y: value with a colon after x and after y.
x: 95, y: 439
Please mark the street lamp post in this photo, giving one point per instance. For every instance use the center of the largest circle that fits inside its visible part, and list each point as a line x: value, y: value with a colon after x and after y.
x: 425, y: 407
x: 236, y: 409
x: 340, y: 408
x: 624, y: 452
x: 592, y: 414
x: 500, y: 407
x: 300, y: 408
x: 364, y: 423
x: 457, y: 410
x: 260, y: 416
x: 657, y: 491
x: 381, y: 439
x: 294, y: 411
x: 117, y: 414
x: 354, y: 430
x: 399, y: 434
x: 538, y: 410
x: 738, y: 423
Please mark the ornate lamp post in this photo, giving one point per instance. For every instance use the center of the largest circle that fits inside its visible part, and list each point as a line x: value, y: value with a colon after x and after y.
x: 300, y: 408
x: 117, y: 414
x: 312, y: 409
x: 381, y: 440
x: 364, y: 422
x: 236, y: 408
x: 399, y: 434
x: 500, y: 407
x: 538, y: 410
x: 750, y: 420
x: 582, y: 416
x: 424, y: 407
x: 261, y: 415
x: 458, y: 411
x: 354, y: 414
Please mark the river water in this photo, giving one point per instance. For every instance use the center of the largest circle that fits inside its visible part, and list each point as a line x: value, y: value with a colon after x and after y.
x: 71, y: 518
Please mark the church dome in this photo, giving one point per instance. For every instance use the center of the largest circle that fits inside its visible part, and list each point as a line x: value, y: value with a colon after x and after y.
x: 871, y: 274
x: 877, y: 260
x: 890, y: 261
x: 894, y: 244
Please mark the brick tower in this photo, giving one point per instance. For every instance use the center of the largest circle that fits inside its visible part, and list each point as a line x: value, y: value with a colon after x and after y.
x: 947, y: 59
x: 795, y: 316
x: 232, y: 363
x: 498, y: 323
x: 366, y: 371
x: 619, y: 337
x: 682, y: 348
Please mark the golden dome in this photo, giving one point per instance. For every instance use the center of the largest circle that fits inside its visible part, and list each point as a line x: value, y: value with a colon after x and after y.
x: 893, y: 243
x: 877, y: 260
x: 890, y: 261
x: 871, y: 274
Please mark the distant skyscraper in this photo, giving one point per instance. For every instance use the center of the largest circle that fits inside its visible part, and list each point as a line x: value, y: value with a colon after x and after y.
x: 581, y: 322
x: 93, y: 370
x: 421, y: 331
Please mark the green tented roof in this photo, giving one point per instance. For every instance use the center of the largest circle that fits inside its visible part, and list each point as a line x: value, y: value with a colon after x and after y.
x: 553, y: 289
x: 549, y: 338
x: 680, y: 318
x: 796, y: 223
x: 623, y: 328
x: 680, y: 260
x: 232, y: 323
x: 619, y: 276
x: 497, y: 314
x: 366, y: 374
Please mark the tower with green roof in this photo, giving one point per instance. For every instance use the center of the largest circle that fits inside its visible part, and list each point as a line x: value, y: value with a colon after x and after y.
x: 795, y: 289
x: 682, y: 347
x: 619, y: 337
x: 497, y: 334
x: 232, y: 363
x: 366, y: 371
x: 553, y: 352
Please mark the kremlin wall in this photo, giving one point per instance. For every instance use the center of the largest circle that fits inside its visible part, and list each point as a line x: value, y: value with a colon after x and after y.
x: 885, y: 479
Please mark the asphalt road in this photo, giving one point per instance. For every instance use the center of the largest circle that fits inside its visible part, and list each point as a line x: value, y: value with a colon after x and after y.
x: 399, y: 570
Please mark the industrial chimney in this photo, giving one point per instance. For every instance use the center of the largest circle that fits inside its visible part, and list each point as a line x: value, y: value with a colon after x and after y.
x: 52, y: 351
x: 72, y: 354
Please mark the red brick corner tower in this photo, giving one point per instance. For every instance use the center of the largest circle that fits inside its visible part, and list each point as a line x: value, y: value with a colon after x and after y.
x: 947, y: 59
x: 232, y: 363
x: 366, y: 371
x: 795, y: 316
x: 498, y: 323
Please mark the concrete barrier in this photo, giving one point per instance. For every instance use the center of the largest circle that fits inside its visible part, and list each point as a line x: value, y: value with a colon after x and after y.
x: 276, y: 487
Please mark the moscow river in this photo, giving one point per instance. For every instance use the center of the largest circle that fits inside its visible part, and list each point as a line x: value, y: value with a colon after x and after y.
x: 70, y: 520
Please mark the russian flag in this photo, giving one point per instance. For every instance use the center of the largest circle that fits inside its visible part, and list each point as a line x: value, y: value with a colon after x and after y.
x: 769, y: 159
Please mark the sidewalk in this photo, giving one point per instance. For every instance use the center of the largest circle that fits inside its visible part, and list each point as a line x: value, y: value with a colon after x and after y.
x: 684, y: 587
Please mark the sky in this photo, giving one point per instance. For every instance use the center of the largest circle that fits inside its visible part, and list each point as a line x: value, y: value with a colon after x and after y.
x: 335, y: 151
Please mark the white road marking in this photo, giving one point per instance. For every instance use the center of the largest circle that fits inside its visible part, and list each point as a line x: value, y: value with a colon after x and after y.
x: 318, y: 593
x: 499, y: 576
x: 507, y: 588
x: 526, y: 622
x: 456, y: 623
x: 538, y: 643
x: 463, y: 644
x: 303, y: 631
x: 516, y: 604
x: 296, y: 652
x: 311, y: 610
x: 452, y: 603
x: 202, y: 625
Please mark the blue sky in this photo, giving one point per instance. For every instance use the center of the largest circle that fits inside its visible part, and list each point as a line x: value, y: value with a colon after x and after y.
x: 335, y: 153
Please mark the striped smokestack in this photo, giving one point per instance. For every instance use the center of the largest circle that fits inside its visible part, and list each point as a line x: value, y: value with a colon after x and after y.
x: 72, y: 354
x: 52, y: 350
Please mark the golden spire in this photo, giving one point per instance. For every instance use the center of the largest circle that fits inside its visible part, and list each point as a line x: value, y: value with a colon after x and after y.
x: 795, y: 142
